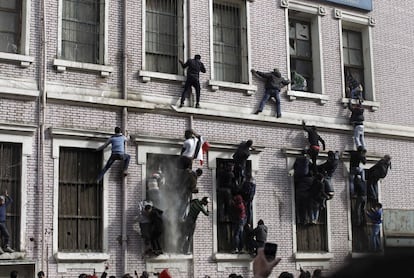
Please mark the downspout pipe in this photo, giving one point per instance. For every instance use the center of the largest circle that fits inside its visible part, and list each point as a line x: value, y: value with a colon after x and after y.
x: 41, y: 138
x: 124, y: 236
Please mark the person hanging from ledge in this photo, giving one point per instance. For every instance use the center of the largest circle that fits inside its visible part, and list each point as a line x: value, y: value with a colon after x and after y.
x: 273, y: 84
x: 117, y: 142
x: 314, y: 147
x: 240, y: 157
x: 357, y: 120
x: 195, y: 66
x: 375, y: 173
x: 354, y: 88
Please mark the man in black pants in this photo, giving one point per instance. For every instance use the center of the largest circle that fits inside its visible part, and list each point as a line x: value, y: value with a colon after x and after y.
x: 314, y: 139
x: 193, y: 77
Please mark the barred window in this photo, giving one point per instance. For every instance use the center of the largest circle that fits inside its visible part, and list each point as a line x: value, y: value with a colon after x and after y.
x: 230, y: 42
x: 81, y: 30
x: 10, y: 180
x: 80, y: 220
x: 10, y: 25
x: 164, y: 35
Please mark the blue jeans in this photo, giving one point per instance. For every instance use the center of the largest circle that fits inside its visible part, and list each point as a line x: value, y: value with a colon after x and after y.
x: 4, y: 233
x: 238, y: 234
x: 268, y: 94
x: 375, y: 237
x: 125, y: 157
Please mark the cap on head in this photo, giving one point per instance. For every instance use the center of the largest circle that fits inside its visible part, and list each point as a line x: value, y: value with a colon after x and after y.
x: 197, y: 57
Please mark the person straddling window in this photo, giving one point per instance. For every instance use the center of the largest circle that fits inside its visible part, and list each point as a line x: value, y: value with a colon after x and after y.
x: 357, y: 120
x: 273, y: 84
x: 117, y: 142
x: 314, y: 139
x: 375, y: 215
x: 193, y: 77
x: 5, y: 201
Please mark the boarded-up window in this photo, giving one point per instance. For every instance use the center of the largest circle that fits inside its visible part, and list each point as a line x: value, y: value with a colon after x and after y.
x: 10, y: 180
x: 10, y: 25
x: 230, y: 42
x: 301, y: 49
x: 361, y: 226
x: 80, y: 201
x: 353, y: 57
x: 164, y: 35
x: 81, y: 30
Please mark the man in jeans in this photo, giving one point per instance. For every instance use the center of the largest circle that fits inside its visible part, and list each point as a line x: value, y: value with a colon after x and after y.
x: 375, y: 215
x: 117, y: 142
x: 274, y: 82
x: 5, y: 201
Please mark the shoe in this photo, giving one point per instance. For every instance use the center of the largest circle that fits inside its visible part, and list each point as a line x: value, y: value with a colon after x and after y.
x: 8, y: 249
x: 198, y: 105
x: 125, y: 173
x: 235, y: 251
x: 1, y: 251
x: 278, y: 115
x: 257, y: 112
x: 181, y: 105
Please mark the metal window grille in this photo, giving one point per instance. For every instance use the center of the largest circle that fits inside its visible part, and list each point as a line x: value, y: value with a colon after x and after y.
x: 10, y: 180
x: 10, y: 25
x: 163, y: 21
x: 80, y: 30
x: 80, y: 201
x: 301, y: 50
x: 228, y: 36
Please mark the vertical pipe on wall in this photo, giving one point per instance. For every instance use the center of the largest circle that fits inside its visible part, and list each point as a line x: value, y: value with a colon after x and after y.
x: 124, y: 128
x: 41, y: 133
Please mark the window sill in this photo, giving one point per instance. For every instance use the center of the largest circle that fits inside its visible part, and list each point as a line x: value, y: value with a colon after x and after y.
x: 249, y: 89
x: 81, y: 257
x: 225, y: 260
x: 25, y: 61
x: 312, y: 259
x: 61, y: 66
x: 373, y: 105
x: 147, y: 75
x: 299, y: 94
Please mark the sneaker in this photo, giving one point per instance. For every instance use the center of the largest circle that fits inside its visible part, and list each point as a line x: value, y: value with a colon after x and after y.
x: 1, y: 251
x: 235, y: 251
x: 181, y: 105
x: 8, y: 249
x: 278, y: 115
x: 125, y: 173
x: 198, y: 105
x: 257, y: 112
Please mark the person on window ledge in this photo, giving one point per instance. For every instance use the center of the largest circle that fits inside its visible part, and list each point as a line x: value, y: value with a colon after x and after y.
x: 375, y: 173
x: 314, y: 139
x: 357, y: 120
x: 238, y: 219
x: 354, y: 88
x: 196, y: 206
x: 240, y: 157
x: 193, y: 78
x: 260, y: 233
x: 273, y: 84
x: 375, y: 215
x: 5, y: 201
x: 117, y: 142
x: 356, y: 158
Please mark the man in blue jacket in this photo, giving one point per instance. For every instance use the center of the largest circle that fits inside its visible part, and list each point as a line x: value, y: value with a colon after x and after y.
x: 5, y: 201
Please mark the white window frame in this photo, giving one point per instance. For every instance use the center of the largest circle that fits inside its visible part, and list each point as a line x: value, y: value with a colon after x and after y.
x: 226, y: 151
x: 313, y: 13
x: 215, y: 85
x: 82, y: 260
x: 146, y: 75
x: 363, y: 24
x: 22, y: 134
x: 307, y: 259
x: 105, y: 70
x: 23, y: 57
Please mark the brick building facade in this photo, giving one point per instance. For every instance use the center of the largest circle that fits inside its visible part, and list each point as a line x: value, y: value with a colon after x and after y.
x: 70, y: 71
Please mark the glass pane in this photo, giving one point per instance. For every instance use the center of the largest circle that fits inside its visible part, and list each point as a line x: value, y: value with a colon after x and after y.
x: 302, y: 31
x: 345, y: 39
x: 7, y: 22
x: 292, y: 30
x: 8, y: 43
x: 346, y: 57
x: 355, y: 57
x: 355, y: 40
x: 8, y: 4
x: 304, y: 48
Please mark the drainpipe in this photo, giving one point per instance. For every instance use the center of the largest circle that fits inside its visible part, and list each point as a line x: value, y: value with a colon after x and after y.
x: 41, y: 136
x: 124, y: 128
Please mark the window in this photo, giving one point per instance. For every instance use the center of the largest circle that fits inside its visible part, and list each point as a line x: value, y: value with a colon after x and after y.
x: 81, y: 31
x: 357, y: 54
x: 80, y: 220
x: 164, y: 44
x: 230, y: 42
x: 300, y: 46
x: 10, y: 180
x: 353, y: 57
x: 305, y: 50
x: 10, y: 25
